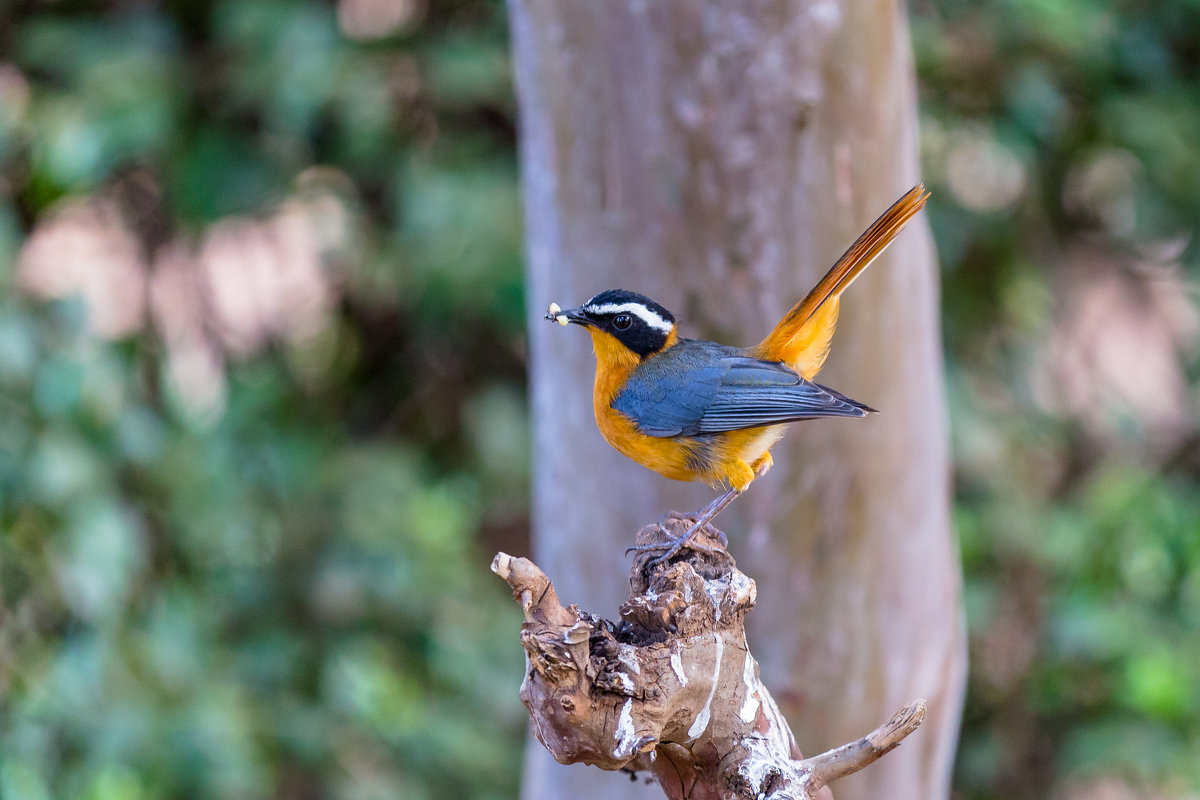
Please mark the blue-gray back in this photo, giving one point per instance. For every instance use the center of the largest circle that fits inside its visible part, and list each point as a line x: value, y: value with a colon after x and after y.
x: 699, y: 387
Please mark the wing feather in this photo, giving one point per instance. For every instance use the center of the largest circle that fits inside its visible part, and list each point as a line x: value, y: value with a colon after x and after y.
x: 699, y: 392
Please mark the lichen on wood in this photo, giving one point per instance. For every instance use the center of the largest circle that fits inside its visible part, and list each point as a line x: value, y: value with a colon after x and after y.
x: 671, y: 688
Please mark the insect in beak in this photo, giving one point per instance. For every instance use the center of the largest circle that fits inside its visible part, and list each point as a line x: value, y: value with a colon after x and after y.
x: 554, y: 314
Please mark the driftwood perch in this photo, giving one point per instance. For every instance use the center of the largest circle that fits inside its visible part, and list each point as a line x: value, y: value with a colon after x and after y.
x: 672, y: 689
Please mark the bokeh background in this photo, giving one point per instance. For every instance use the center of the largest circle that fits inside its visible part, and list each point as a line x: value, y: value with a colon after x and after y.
x: 262, y: 403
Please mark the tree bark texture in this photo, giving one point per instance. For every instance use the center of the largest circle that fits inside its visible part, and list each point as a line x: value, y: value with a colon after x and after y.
x: 718, y: 157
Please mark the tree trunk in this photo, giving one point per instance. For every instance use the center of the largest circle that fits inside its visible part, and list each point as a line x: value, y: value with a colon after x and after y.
x: 718, y: 157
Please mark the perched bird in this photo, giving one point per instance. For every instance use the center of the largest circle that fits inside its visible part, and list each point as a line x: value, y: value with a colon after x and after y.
x: 697, y: 410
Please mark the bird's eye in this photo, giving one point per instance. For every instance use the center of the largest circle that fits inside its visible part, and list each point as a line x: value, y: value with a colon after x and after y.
x: 622, y: 322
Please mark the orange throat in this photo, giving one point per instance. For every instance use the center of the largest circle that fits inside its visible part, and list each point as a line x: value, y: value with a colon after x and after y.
x: 614, y: 364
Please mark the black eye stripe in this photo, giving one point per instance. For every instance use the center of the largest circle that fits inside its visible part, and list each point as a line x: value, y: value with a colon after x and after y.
x: 604, y: 306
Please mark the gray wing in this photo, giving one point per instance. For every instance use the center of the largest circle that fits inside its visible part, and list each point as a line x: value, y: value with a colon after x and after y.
x: 709, y: 390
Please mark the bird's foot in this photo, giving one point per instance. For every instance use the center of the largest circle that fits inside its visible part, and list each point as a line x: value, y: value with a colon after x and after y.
x: 676, y: 543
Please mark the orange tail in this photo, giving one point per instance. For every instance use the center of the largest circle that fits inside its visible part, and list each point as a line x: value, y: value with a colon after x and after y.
x: 803, y: 336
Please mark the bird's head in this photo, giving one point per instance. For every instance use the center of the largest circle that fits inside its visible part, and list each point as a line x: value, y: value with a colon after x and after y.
x: 621, y: 319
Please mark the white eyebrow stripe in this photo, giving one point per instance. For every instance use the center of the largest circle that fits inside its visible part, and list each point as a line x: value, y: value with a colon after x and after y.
x: 646, y: 315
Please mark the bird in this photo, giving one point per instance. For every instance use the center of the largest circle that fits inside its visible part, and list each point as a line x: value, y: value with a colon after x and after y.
x: 691, y: 409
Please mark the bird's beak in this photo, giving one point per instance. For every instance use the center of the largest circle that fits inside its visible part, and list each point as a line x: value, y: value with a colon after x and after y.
x: 556, y: 314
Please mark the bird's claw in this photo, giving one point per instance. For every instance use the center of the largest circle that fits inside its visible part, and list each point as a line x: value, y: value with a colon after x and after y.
x: 672, y: 546
x: 675, y: 544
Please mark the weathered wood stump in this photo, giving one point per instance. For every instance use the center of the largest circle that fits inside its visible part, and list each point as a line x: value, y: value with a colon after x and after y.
x: 672, y: 689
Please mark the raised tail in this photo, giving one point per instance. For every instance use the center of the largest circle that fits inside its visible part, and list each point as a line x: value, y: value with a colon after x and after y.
x: 803, y: 336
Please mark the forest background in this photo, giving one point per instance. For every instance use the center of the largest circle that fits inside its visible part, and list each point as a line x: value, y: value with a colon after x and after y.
x: 263, y: 410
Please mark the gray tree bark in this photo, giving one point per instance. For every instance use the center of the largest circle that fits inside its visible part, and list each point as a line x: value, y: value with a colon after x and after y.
x: 718, y: 156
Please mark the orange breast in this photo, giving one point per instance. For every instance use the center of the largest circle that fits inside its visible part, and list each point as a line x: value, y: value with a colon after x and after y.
x: 670, y: 457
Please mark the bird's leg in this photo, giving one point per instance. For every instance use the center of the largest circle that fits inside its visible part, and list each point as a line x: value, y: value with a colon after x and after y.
x: 703, y: 517
x: 707, y: 513
x: 673, y: 546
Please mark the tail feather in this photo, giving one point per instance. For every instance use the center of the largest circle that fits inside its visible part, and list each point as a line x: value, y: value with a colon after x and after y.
x: 803, y: 336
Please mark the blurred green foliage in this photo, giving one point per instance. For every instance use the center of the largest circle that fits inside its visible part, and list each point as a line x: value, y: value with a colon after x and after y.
x: 1058, y: 140
x: 281, y: 592
x: 289, y: 598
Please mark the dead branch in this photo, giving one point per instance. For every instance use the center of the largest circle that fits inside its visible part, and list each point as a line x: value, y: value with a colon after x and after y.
x: 671, y: 688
